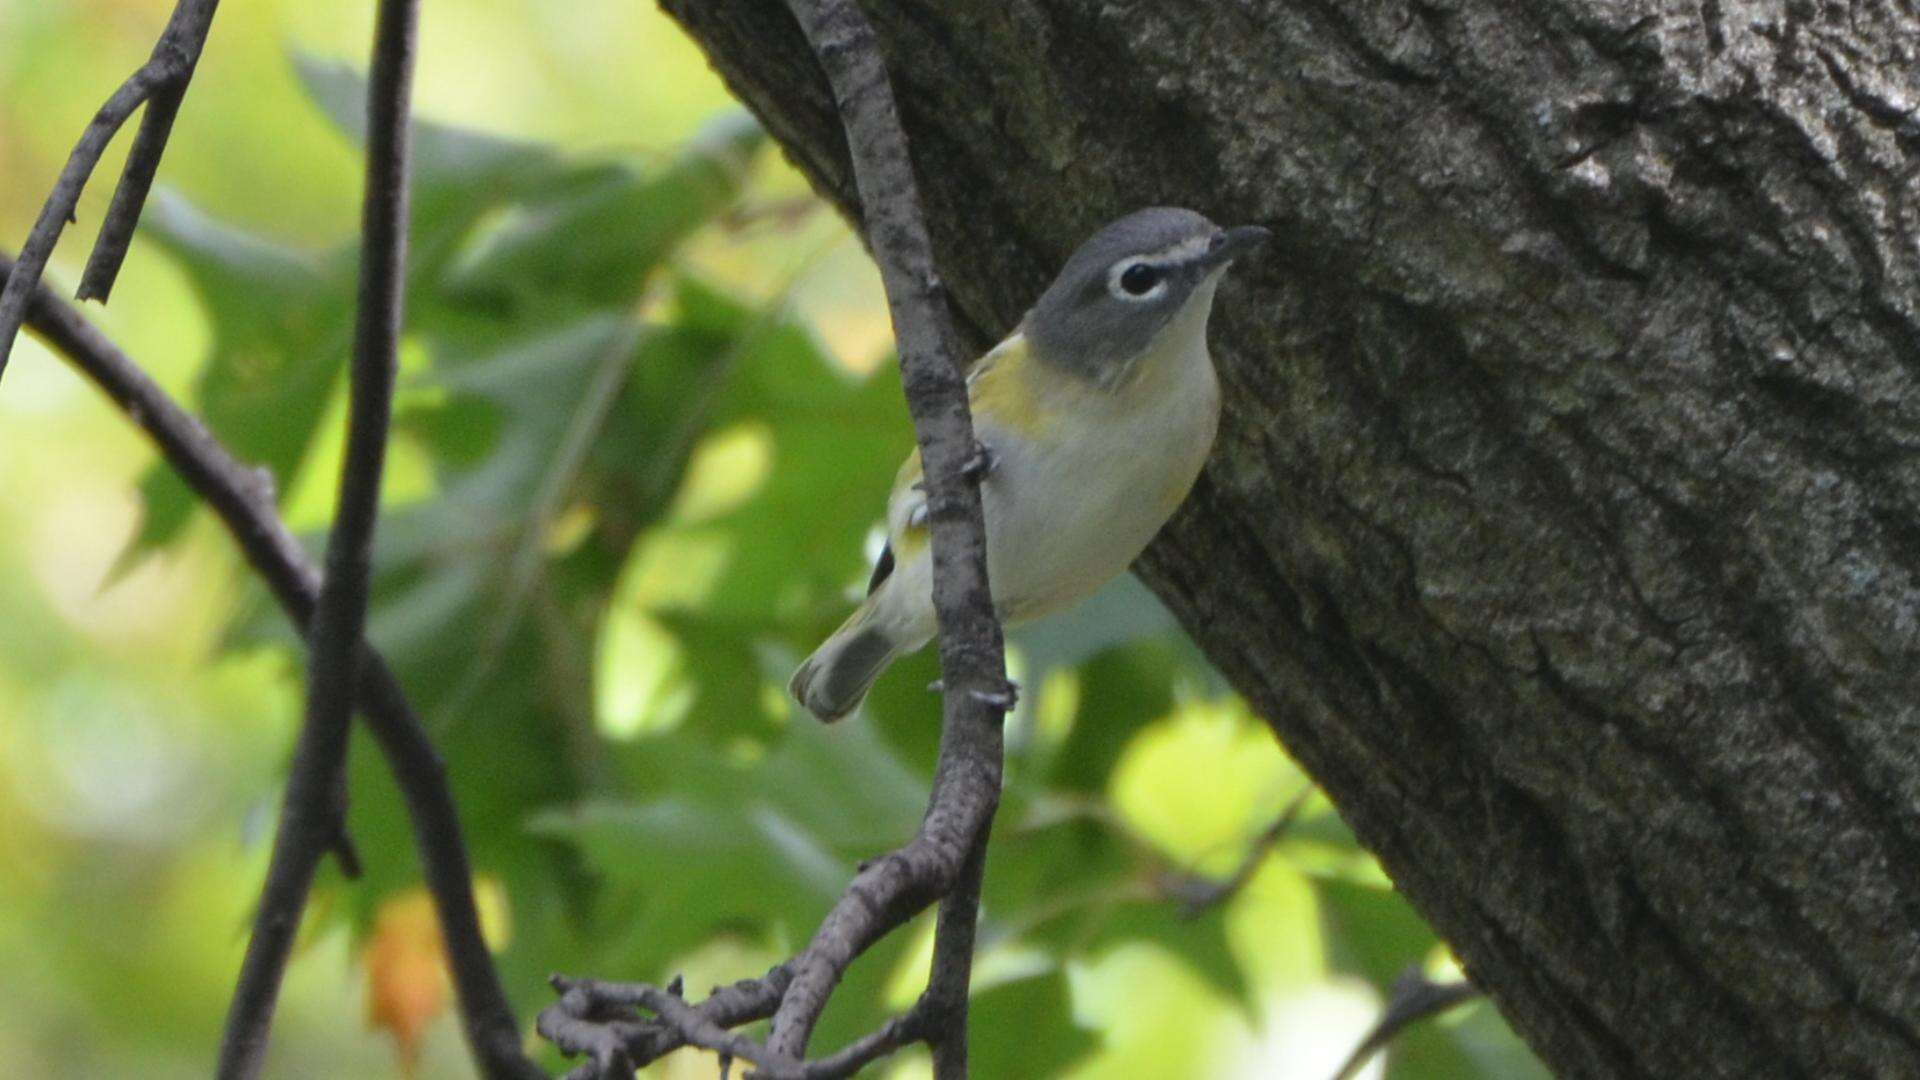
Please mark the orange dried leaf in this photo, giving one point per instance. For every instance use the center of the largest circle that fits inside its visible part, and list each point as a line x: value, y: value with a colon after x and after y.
x: 406, y: 971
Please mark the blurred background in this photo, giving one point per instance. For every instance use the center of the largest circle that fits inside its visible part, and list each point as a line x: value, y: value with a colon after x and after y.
x: 647, y: 424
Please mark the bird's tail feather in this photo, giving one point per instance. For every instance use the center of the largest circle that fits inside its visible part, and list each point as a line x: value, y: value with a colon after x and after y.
x: 835, y: 679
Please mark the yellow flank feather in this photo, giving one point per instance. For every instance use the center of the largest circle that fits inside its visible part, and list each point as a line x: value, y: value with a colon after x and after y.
x: 910, y: 472
x: 1003, y: 393
x: 1002, y: 389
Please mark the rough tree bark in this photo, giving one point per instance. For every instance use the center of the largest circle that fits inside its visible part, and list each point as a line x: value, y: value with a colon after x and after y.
x: 1565, y: 519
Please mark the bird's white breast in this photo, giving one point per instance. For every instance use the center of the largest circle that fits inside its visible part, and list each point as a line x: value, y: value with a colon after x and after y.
x: 1067, y: 513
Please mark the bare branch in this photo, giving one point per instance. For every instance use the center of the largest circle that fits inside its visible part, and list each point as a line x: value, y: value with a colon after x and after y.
x: 966, y: 785
x: 60, y: 204
x: 179, y: 47
x: 700, y: 1031
x: 315, y: 803
x: 243, y: 500
x: 160, y: 84
x: 599, y: 1019
x: 1198, y: 895
x: 901, y: 1031
x: 946, y: 858
x: 1415, y: 997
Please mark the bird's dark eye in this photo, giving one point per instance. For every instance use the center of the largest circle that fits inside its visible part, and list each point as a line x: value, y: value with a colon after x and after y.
x: 1140, y: 278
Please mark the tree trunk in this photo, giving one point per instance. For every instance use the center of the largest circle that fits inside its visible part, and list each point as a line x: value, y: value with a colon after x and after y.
x: 1565, y: 517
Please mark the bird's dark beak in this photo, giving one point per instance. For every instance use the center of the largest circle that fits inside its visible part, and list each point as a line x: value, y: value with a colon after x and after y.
x: 1229, y: 244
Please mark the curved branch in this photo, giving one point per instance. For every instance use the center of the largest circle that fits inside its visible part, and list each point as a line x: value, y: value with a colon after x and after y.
x: 160, y: 84
x: 966, y: 786
x: 179, y: 47
x: 243, y: 500
x: 946, y: 858
x: 315, y: 807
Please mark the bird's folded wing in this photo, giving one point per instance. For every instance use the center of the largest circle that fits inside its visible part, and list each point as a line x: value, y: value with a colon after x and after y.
x: 994, y: 392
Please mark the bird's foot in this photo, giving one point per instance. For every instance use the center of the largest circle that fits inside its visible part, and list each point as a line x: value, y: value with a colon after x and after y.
x: 1004, y: 698
x: 979, y: 464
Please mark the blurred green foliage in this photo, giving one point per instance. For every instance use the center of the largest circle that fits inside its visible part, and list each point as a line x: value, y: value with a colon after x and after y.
x: 642, y: 444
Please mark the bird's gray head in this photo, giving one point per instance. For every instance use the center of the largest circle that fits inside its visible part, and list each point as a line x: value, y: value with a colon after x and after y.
x: 1127, y: 283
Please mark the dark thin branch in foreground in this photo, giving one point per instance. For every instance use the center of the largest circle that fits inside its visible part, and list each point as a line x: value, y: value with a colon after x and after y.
x: 243, y: 500
x: 1199, y: 895
x: 1415, y: 998
x: 160, y: 84
x: 179, y: 48
x: 946, y: 858
x: 346, y: 854
x: 315, y: 807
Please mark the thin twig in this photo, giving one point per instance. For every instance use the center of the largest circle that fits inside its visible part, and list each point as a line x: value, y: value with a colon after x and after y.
x: 1415, y: 997
x: 180, y: 46
x: 315, y: 804
x: 243, y: 500
x: 160, y: 83
x: 1198, y: 895
x: 599, y: 1019
x: 700, y: 1031
x: 595, y: 1018
x: 130, y: 197
x: 966, y: 786
x: 556, y: 483
x: 901, y: 1031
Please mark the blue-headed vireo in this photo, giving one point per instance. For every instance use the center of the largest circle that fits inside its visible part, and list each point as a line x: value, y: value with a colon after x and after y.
x: 1094, y: 417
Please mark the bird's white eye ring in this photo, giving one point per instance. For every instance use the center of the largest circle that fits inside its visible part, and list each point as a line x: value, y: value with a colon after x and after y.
x: 1137, y: 279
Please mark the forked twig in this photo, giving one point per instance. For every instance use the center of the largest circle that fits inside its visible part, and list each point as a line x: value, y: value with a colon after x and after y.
x: 160, y: 84
x: 1415, y: 998
x: 1198, y: 895
x: 243, y: 500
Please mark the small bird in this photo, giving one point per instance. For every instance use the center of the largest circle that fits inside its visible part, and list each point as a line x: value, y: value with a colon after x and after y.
x: 1094, y: 417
